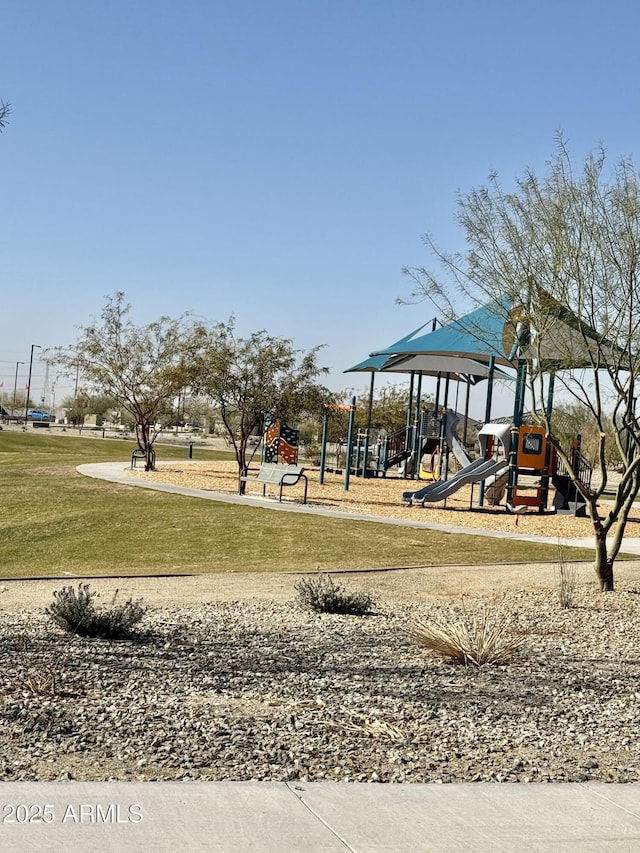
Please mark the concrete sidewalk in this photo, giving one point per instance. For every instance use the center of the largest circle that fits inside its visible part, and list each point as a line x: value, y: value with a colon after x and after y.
x: 320, y: 817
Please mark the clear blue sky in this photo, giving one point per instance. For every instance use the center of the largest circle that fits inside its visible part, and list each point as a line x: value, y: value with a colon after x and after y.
x: 277, y: 161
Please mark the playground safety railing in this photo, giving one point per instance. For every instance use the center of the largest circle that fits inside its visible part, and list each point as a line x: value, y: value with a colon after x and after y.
x: 583, y: 469
x: 398, y: 448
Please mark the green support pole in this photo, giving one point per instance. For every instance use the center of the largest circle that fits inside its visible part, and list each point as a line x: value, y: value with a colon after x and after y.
x: 447, y: 382
x: 544, y: 480
x: 352, y: 420
x: 443, y: 431
x: 436, y: 416
x: 487, y: 408
x: 416, y: 431
x: 443, y: 442
x: 487, y: 415
x: 518, y: 410
x: 466, y: 414
x: 323, y: 446
x: 522, y: 383
x: 407, y: 438
x: 369, y: 415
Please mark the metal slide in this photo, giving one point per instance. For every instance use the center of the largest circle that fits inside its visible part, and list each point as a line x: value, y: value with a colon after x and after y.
x: 478, y: 471
x: 456, y: 446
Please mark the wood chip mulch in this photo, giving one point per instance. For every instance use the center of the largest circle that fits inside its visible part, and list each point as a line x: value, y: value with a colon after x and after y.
x: 383, y: 497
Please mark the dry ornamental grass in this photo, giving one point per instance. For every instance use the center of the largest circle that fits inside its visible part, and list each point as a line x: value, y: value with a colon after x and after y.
x: 481, y: 638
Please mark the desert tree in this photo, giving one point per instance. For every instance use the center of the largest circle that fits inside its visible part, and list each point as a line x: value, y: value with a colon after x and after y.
x: 5, y: 110
x: 249, y: 378
x: 388, y: 408
x: 140, y: 367
x: 197, y: 412
x: 561, y: 255
x: 77, y: 406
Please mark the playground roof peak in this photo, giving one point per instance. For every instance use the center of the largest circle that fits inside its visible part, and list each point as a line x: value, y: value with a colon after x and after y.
x: 483, y: 333
x: 462, y: 348
x: 567, y: 342
x: 376, y: 362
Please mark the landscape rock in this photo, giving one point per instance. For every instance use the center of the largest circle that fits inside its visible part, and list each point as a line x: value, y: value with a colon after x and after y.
x: 268, y: 691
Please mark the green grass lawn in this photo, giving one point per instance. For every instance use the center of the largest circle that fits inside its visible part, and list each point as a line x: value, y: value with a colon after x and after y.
x: 54, y: 520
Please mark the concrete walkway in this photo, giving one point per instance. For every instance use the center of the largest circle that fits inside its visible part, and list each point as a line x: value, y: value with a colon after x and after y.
x: 120, y: 472
x: 319, y: 817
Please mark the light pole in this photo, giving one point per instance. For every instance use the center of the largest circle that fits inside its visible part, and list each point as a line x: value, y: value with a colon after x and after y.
x: 26, y: 405
x: 15, y: 388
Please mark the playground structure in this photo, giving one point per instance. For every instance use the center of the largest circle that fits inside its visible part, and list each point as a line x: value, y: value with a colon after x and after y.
x: 525, y: 461
x: 524, y: 458
x: 398, y: 449
x: 280, y: 444
x: 448, y: 353
x: 517, y: 460
x: 492, y: 463
x: 431, y: 439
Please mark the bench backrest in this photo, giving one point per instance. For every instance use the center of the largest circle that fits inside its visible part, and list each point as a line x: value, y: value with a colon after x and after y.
x: 274, y: 472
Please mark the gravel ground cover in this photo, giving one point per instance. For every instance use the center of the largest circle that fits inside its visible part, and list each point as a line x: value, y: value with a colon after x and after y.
x: 264, y: 690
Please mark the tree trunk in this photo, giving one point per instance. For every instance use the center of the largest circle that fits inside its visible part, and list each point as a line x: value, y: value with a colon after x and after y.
x: 143, y: 436
x: 603, y: 564
x: 242, y: 472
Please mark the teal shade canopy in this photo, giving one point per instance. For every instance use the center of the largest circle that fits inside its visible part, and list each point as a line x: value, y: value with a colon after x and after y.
x: 462, y: 349
x: 477, y: 336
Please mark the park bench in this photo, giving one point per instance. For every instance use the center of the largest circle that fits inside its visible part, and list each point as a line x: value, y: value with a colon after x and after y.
x: 140, y: 456
x: 278, y: 474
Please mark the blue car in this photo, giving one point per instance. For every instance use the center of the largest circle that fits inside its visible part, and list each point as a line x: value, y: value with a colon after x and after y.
x: 38, y: 415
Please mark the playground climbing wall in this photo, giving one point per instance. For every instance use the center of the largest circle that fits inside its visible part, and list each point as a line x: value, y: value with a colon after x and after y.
x: 281, y: 444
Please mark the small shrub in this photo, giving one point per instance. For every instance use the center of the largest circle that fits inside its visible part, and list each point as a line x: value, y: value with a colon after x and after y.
x: 481, y: 639
x: 566, y: 585
x: 75, y: 611
x: 313, y: 452
x: 323, y: 595
x: 39, y: 677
